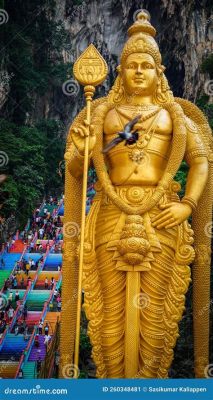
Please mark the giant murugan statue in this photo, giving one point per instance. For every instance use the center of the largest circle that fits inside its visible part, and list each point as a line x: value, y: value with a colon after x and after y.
x: 138, y: 242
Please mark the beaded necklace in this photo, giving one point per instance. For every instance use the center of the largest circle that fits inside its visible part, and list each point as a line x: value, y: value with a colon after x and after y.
x: 136, y: 150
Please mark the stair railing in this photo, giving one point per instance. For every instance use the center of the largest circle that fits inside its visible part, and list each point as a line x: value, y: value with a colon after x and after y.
x: 55, y: 346
x: 25, y: 356
x: 48, y: 364
x: 59, y: 206
x: 23, y: 301
x: 3, y: 337
x: 26, y: 353
x: 46, y: 304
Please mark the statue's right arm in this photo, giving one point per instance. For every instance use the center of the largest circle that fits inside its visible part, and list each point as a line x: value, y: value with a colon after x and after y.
x: 74, y: 155
x: 74, y: 161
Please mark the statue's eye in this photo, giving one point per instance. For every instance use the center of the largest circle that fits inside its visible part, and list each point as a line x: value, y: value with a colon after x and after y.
x: 148, y: 66
x: 131, y: 66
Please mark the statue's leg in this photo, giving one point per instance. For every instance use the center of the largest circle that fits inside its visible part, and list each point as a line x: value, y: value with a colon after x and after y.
x: 113, y: 286
x: 163, y: 287
x: 113, y: 290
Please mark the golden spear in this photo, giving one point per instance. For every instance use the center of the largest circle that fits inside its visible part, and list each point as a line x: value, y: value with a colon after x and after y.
x: 90, y: 70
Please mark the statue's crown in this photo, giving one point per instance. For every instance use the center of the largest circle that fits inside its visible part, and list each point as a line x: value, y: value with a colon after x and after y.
x: 142, y: 24
x: 141, y: 38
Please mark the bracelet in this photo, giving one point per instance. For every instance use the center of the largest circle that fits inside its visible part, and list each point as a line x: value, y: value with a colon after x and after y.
x: 191, y: 202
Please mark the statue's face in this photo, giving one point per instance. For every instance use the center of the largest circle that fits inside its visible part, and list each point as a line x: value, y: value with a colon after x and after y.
x: 139, y: 74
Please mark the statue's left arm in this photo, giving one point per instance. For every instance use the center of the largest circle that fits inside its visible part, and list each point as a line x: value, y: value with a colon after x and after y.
x: 196, y: 158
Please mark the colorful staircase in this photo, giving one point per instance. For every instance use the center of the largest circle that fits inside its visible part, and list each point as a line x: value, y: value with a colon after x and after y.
x: 52, y: 262
x: 21, y: 295
x: 48, y: 275
x: 51, y: 318
x: 3, y: 276
x: 10, y: 259
x: 25, y: 276
x: 13, y: 347
x: 36, y: 299
x: 33, y: 318
x: 29, y: 370
x: 51, y: 267
x: 8, y: 369
x: 61, y: 210
x: 37, y: 352
x: 15, y: 352
x: 18, y: 247
x: 33, y: 256
x: 50, y: 208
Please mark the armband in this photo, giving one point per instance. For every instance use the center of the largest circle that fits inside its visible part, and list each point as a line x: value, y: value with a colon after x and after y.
x: 191, y: 202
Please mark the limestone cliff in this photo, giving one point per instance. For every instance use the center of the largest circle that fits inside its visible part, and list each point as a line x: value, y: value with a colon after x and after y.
x: 184, y: 34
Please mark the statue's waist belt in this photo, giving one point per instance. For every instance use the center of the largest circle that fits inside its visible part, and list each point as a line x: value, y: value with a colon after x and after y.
x: 135, y: 195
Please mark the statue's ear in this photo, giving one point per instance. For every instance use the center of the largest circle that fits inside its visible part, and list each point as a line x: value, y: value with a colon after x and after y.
x: 161, y: 69
x: 118, y: 69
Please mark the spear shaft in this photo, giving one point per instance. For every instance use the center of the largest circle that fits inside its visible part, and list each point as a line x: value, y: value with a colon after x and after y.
x: 89, y: 92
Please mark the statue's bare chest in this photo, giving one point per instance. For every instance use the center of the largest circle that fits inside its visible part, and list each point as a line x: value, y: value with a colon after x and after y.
x: 154, y: 129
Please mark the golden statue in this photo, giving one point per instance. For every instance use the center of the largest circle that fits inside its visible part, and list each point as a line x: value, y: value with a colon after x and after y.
x: 138, y: 243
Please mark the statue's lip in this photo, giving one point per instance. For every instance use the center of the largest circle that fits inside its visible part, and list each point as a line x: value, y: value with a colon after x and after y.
x: 139, y: 80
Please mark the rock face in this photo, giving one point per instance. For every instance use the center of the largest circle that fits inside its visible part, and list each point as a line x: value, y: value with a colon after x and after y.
x: 184, y: 34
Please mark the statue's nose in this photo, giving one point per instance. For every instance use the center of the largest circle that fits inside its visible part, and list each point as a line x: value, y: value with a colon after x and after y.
x: 139, y: 70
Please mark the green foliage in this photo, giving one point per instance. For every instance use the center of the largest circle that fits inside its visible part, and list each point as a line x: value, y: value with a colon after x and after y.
x: 31, y: 53
x: 207, y: 109
x: 85, y: 343
x: 83, y: 375
x: 33, y: 154
x: 53, y: 134
x: 202, y: 101
x: 207, y: 66
x: 85, y: 353
x: 181, y: 177
x: 32, y: 50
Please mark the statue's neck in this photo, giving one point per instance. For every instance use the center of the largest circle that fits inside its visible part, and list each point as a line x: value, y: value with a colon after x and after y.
x: 139, y: 100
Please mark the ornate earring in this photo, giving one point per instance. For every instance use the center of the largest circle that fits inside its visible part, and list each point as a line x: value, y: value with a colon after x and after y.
x: 158, y: 90
x: 119, y: 90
